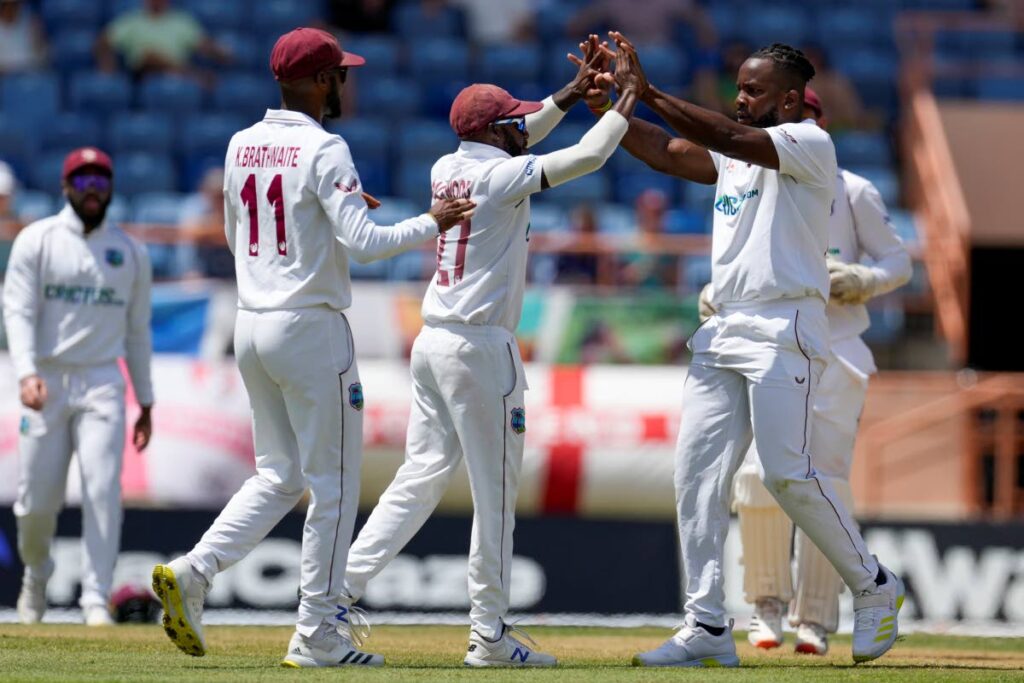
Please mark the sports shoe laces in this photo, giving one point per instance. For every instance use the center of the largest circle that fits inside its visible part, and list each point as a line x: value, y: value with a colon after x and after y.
x: 512, y: 628
x: 358, y: 625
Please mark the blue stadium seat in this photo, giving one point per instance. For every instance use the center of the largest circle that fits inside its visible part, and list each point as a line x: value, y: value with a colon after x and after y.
x: 853, y: 26
x: 157, y: 207
x: 559, y: 70
x: 140, y: 132
x: 859, y: 148
x: 281, y: 16
x: 765, y: 25
x: 1001, y: 88
x: 699, y: 197
x: 887, y: 321
x: 192, y: 168
x: 591, y: 188
x: 375, y: 175
x: 884, y: 179
x: 18, y: 146
x: 665, y: 65
x: 217, y: 16
x: 629, y: 186
x: 686, y: 222
x: 425, y: 140
x: 170, y: 94
x: 138, y: 172
x: 33, y: 205
x: 245, y: 94
x: 413, y: 181
x: 439, y: 60
x: 506, y: 64
x: 367, y: 138
x: 44, y: 173
x: 120, y: 210
x: 622, y: 162
x: 552, y: 18
x: 400, y: 98
x: 72, y: 50
x: 412, y: 266
x: 208, y: 134
x: 615, y: 219
x: 696, y: 271
x: 394, y: 210
x: 546, y: 217
x: 246, y: 52
x: 81, y: 14
x: 565, y: 134
x: 410, y: 22
x: 99, y: 93
x: 35, y: 98
x: 438, y: 98
x: 382, y: 56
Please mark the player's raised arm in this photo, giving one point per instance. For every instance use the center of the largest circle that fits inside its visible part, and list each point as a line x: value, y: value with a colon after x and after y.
x: 340, y: 192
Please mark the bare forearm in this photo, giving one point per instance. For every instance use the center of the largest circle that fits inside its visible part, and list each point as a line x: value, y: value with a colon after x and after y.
x: 648, y: 143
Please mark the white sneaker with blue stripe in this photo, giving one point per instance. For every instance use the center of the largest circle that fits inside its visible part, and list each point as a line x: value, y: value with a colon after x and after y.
x: 327, y: 647
x: 506, y: 651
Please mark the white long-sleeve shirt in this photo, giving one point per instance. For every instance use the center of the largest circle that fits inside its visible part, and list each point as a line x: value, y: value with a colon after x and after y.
x: 859, y: 227
x: 79, y: 299
x: 294, y: 213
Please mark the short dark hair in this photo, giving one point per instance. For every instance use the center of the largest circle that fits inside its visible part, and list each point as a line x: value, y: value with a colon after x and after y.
x: 789, y: 60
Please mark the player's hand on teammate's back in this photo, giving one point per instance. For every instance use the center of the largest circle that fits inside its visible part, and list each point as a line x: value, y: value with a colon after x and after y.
x: 33, y: 392
x: 450, y: 212
x: 629, y: 74
x: 143, y: 430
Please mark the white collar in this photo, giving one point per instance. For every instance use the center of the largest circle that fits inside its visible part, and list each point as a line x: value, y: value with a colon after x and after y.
x: 479, y: 150
x: 289, y: 116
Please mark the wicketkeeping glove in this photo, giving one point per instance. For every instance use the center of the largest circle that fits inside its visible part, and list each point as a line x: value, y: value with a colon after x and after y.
x: 850, y: 283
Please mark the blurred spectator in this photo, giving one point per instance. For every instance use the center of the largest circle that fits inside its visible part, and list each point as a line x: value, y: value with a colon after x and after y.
x: 600, y: 344
x: 646, y: 267
x: 646, y: 23
x: 715, y: 82
x: 156, y: 39
x: 9, y: 223
x: 361, y: 16
x: 836, y: 89
x: 492, y: 22
x: 22, y: 39
x: 204, y: 252
x: 580, y: 267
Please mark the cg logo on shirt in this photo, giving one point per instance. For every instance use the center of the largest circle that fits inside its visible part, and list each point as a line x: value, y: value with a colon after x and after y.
x: 518, y: 420
x: 115, y: 257
x: 355, y: 395
x: 731, y: 205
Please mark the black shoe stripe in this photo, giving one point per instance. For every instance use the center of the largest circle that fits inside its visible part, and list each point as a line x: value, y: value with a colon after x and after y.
x: 367, y: 660
x: 347, y: 657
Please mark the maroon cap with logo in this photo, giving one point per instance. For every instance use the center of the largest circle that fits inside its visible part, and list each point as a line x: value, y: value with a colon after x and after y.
x: 86, y: 156
x: 812, y: 101
x: 481, y: 104
x: 306, y: 51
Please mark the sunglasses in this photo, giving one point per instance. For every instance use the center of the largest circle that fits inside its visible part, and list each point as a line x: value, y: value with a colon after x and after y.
x: 519, y: 122
x: 84, y: 183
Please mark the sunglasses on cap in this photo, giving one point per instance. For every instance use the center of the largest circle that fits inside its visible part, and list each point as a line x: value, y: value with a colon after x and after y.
x: 519, y: 122
x: 90, y: 181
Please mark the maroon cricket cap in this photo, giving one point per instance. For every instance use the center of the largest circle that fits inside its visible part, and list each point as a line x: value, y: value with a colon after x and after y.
x: 481, y: 104
x: 812, y: 101
x: 86, y: 156
x: 306, y: 51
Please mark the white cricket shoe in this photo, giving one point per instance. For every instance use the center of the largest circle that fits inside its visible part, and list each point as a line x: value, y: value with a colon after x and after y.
x: 31, y: 601
x: 326, y: 647
x: 766, y: 624
x: 811, y: 639
x: 875, y: 618
x: 693, y: 646
x: 97, y: 615
x: 505, y: 651
x: 182, y: 591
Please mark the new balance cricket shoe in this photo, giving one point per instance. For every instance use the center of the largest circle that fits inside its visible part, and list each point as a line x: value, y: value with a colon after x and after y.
x: 506, y: 650
x: 693, y: 645
x: 766, y: 624
x: 811, y: 639
x: 97, y: 615
x: 326, y: 647
x: 876, y: 617
x: 182, y: 591
x: 31, y: 601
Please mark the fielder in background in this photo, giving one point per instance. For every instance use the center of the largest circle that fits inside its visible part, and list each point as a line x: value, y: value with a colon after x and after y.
x: 467, y: 376
x: 294, y: 214
x: 757, y: 362
x: 858, y: 229
x: 76, y: 298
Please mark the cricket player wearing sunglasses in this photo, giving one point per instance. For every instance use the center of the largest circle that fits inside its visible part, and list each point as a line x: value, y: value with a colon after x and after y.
x: 76, y: 298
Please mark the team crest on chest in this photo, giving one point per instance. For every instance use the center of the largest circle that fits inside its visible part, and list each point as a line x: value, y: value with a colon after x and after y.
x: 115, y: 257
x: 355, y: 395
x: 518, y: 420
x: 24, y: 426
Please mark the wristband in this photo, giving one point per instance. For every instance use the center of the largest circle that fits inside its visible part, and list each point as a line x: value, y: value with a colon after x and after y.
x: 602, y: 109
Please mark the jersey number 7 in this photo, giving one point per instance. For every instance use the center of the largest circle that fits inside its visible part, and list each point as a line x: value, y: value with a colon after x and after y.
x: 276, y: 199
x: 443, y: 279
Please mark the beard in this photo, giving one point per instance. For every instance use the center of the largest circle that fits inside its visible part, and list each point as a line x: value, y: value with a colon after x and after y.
x: 91, y: 215
x: 769, y: 119
x: 512, y: 144
x: 332, y: 107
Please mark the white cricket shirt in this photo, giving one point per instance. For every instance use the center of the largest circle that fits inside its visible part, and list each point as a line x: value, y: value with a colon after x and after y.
x: 78, y: 299
x: 770, y: 234
x: 294, y: 213
x: 481, y: 263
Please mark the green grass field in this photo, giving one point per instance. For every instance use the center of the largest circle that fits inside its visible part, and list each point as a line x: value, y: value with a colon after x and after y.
x: 591, y: 655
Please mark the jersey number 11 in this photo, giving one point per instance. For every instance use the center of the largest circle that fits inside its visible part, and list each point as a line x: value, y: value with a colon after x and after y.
x: 276, y: 200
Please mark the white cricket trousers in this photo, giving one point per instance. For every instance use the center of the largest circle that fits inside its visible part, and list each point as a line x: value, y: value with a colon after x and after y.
x: 83, y: 414
x: 754, y: 372
x: 300, y: 372
x: 765, y: 531
x: 468, y: 390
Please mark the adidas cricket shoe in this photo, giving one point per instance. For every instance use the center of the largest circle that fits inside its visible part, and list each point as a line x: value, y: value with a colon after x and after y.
x: 182, y: 591
x: 811, y: 639
x: 31, y: 601
x: 506, y: 650
x: 876, y: 618
x: 766, y: 624
x: 692, y: 645
x: 97, y: 615
x: 326, y: 647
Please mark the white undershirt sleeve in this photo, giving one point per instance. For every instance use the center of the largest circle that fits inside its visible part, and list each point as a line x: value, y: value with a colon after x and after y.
x: 541, y: 123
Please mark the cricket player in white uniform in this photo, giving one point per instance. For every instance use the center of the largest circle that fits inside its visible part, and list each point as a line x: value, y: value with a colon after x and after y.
x: 757, y: 362
x: 468, y: 381
x: 76, y: 298
x: 858, y: 228
x: 294, y: 214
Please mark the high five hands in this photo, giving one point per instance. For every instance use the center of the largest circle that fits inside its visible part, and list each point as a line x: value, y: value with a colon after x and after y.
x: 595, y: 77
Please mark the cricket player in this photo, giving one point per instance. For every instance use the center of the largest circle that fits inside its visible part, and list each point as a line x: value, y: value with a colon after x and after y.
x: 757, y: 362
x: 468, y: 380
x: 76, y: 299
x: 858, y: 228
x: 294, y: 213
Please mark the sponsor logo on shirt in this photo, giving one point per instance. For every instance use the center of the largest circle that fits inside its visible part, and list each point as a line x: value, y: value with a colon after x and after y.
x: 347, y: 185
x: 529, y: 166
x: 789, y: 137
x: 730, y: 205
x: 82, y: 295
